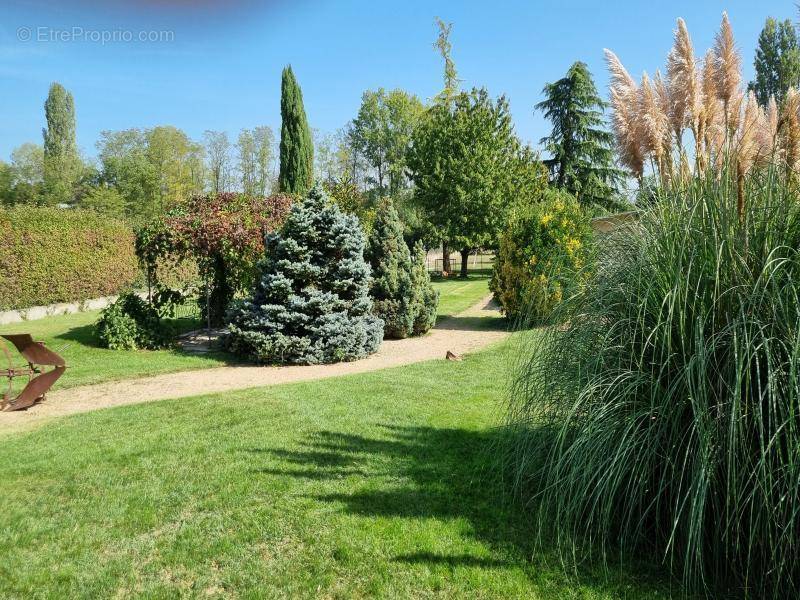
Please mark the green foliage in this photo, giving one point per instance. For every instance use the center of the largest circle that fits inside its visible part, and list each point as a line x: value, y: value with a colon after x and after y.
x: 62, y: 165
x: 296, y: 147
x: 105, y: 200
x: 132, y: 323
x: 546, y: 244
x: 581, y: 149
x: 311, y: 304
x: 153, y: 170
x: 450, y: 75
x: 777, y: 61
x: 424, y: 298
x: 223, y: 234
x: 255, y: 157
x: 54, y: 255
x: 402, y: 295
x: 467, y: 164
x: 6, y: 183
x: 661, y: 417
x: 381, y: 134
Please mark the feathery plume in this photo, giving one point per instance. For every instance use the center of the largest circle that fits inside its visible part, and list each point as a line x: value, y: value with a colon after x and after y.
x: 625, y: 118
x: 789, y: 128
x: 727, y: 64
x: 654, y: 121
x: 748, y: 147
x: 710, y: 117
x: 682, y: 82
x: 664, y: 103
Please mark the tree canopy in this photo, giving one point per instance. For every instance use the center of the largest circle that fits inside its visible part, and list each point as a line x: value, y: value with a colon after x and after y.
x: 581, y: 149
x: 381, y: 134
x: 777, y: 61
x: 467, y: 165
x: 62, y: 165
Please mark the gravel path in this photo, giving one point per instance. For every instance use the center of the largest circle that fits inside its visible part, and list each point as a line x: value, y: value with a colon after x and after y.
x: 466, y: 332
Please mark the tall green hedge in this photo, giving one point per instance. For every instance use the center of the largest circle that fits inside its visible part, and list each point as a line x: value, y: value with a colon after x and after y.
x: 50, y: 255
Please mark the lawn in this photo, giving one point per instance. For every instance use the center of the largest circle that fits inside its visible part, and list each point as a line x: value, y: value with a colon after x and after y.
x: 72, y: 336
x: 372, y: 485
x: 457, y: 295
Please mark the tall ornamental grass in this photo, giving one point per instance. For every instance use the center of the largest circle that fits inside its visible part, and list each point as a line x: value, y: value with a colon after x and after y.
x: 661, y: 417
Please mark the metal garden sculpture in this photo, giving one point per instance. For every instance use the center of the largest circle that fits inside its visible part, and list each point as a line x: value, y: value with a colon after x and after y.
x: 39, y: 379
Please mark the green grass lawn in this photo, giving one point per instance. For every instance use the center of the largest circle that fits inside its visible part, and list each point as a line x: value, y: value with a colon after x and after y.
x: 457, y: 295
x: 72, y: 336
x: 379, y: 484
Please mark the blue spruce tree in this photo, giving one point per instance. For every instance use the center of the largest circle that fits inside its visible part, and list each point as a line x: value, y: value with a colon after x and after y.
x: 311, y: 304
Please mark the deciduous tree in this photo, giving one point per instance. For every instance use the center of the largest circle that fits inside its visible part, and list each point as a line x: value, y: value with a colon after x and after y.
x: 62, y: 165
x: 777, y: 61
x: 467, y: 165
x: 381, y: 134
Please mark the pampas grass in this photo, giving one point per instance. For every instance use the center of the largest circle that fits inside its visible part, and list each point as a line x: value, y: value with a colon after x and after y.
x: 706, y: 99
x: 662, y: 418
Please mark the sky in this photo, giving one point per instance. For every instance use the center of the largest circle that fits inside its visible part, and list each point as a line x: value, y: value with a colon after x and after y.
x: 206, y: 64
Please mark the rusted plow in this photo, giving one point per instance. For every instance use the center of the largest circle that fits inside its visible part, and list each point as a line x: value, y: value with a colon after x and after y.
x: 39, y: 379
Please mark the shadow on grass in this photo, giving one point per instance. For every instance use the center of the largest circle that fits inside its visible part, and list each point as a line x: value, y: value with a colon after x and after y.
x: 420, y: 472
x: 464, y: 323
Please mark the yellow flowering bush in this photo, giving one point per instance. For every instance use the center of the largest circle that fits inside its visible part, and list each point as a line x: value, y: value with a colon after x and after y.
x: 545, y: 244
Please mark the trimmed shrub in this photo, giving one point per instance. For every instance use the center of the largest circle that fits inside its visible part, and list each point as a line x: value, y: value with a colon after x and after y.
x: 661, y: 418
x: 543, y: 247
x: 132, y: 323
x: 424, y: 299
x: 311, y: 303
x: 51, y: 255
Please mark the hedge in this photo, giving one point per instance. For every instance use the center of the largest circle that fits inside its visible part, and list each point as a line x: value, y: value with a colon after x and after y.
x: 50, y: 255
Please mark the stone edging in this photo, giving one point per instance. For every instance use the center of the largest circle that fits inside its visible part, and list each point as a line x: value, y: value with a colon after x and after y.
x: 62, y: 308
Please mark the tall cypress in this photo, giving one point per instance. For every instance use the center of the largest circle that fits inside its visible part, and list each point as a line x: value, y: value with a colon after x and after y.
x: 297, y: 148
x: 61, y: 160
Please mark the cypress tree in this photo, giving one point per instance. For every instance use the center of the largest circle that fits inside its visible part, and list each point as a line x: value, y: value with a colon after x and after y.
x: 61, y: 160
x: 296, y: 147
x: 402, y: 292
x: 311, y: 303
x: 581, y: 149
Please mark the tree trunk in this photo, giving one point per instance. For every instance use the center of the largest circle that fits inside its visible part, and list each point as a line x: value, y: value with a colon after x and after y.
x: 464, y: 261
x: 445, y: 259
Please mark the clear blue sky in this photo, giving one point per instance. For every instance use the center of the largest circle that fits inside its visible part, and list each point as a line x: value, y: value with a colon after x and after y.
x: 221, y: 69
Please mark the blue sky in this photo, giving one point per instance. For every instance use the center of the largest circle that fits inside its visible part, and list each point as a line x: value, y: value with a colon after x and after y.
x: 220, y: 65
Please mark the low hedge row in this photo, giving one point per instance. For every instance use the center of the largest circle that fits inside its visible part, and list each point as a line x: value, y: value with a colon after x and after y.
x: 50, y: 255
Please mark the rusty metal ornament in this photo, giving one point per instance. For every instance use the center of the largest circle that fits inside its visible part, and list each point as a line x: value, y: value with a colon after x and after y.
x: 39, y: 380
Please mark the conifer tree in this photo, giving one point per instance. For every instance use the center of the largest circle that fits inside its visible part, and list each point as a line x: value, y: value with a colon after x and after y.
x: 402, y: 294
x: 388, y: 255
x: 777, y: 61
x: 424, y: 299
x: 581, y: 149
x: 296, y: 147
x: 311, y: 303
x: 61, y: 160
